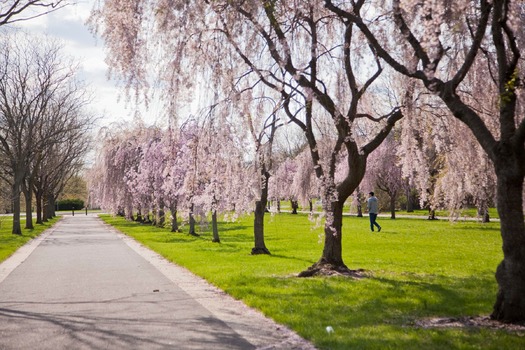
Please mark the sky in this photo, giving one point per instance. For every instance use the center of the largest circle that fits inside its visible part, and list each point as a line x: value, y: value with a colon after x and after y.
x: 68, y: 25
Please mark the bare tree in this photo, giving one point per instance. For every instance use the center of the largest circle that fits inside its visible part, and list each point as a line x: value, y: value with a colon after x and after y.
x: 12, y: 11
x: 38, y: 99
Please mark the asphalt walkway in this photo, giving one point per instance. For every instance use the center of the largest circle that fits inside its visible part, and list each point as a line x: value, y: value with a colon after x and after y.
x: 83, y: 285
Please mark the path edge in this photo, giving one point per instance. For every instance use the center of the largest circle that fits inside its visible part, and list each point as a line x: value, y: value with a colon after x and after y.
x: 22, y: 253
x: 261, y: 331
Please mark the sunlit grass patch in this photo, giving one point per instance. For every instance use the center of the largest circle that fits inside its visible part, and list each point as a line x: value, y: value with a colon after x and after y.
x: 416, y: 269
x: 9, y: 242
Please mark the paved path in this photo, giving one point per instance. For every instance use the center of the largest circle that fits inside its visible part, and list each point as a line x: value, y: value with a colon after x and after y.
x: 82, y: 285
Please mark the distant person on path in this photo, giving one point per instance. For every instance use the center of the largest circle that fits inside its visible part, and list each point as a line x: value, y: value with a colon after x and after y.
x: 373, y: 210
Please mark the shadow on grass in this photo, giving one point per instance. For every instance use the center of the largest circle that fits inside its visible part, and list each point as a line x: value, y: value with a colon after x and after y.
x: 372, y: 313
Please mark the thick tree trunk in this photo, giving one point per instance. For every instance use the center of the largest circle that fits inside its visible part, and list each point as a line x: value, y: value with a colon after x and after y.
x: 258, y: 229
x: 29, y: 209
x: 50, y: 200
x: 17, y: 229
x: 45, y: 209
x: 332, y: 259
x: 279, y: 206
x: 431, y: 214
x: 258, y: 222
x: 215, y: 227
x: 510, y: 274
x: 295, y: 206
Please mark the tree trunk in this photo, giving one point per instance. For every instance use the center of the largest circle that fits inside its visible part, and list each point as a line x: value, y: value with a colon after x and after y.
x: 431, y: 214
x: 28, y: 194
x: 332, y: 258
x: 510, y: 274
x: 174, y: 224
x: 311, y: 206
x: 17, y: 229
x: 359, y: 210
x: 192, y: 223
x: 295, y: 206
x: 161, y: 218
x: 38, y: 199
x: 139, y: 216
x: 359, y: 205
x: 215, y: 228
x: 410, y: 201
x: 483, y: 212
x: 154, y: 217
x: 129, y: 212
x: 393, y: 205
x: 258, y: 222
x: 50, y: 199
x: 279, y: 206
x: 45, y: 209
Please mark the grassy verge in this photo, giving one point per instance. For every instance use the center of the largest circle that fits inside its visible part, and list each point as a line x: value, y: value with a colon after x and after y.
x: 418, y: 269
x: 9, y: 242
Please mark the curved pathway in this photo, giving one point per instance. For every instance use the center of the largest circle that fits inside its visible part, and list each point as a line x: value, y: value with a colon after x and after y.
x: 83, y: 285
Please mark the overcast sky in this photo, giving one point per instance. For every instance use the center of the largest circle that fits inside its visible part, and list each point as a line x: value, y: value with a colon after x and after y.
x: 68, y: 25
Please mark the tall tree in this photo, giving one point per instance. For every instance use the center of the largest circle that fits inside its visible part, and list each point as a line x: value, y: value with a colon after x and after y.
x: 39, y: 96
x: 298, y: 49
x: 463, y: 36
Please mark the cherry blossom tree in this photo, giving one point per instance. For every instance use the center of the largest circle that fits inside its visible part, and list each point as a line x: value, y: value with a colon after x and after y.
x: 384, y: 172
x: 464, y: 36
x: 301, y: 51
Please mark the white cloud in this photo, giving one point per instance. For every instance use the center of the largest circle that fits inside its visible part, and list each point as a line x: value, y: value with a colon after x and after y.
x: 68, y: 26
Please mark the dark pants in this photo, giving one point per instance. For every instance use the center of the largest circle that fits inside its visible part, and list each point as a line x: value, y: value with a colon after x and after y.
x: 373, y: 222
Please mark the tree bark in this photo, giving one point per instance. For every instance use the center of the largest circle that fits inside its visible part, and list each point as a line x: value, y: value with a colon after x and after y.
x: 17, y: 229
x: 192, y: 223
x: 161, y: 218
x: 258, y: 222
x: 332, y: 258
x: 295, y: 206
x: 39, y: 208
x: 483, y: 212
x: 174, y: 223
x: 393, y: 197
x: 215, y: 227
x: 510, y: 274
x: 410, y: 201
x: 28, y: 194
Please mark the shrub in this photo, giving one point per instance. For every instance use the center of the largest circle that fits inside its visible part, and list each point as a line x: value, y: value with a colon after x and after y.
x: 70, y: 204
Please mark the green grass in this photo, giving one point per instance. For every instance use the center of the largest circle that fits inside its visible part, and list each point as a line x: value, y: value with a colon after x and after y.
x: 9, y: 242
x: 349, y: 208
x: 417, y: 269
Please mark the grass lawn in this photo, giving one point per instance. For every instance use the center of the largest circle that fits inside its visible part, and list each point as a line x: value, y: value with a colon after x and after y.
x: 9, y: 242
x: 417, y: 269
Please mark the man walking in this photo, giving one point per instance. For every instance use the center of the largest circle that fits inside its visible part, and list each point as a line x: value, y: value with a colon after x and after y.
x: 373, y: 210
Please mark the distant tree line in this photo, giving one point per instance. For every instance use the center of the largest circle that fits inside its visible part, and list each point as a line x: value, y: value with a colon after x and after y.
x: 43, y: 124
